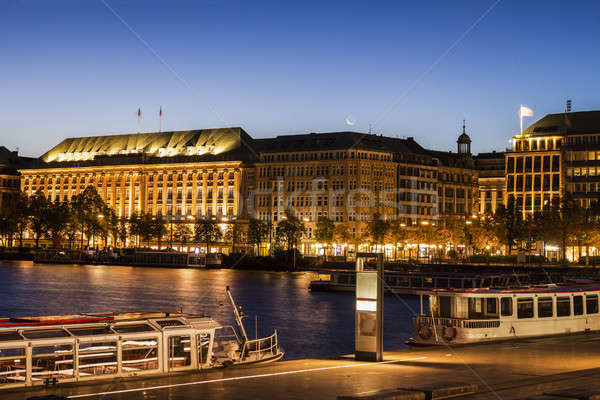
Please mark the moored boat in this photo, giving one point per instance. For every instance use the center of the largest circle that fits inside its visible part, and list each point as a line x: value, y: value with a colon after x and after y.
x: 79, y: 348
x: 478, y: 315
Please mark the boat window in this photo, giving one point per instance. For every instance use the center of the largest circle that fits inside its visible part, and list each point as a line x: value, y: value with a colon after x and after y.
x: 475, y: 307
x: 416, y: 282
x: 12, y: 365
x: 133, y: 328
x: 54, y: 361
x: 97, y: 358
x: 169, y: 322
x: 591, y: 304
x: 506, y: 306
x: 353, y: 279
x: 563, y: 306
x: 90, y: 331
x: 468, y: 283
x: 577, y: 305
x: 428, y: 282
x: 46, y: 333
x: 6, y: 336
x: 491, y: 306
x: 140, y: 354
x: 203, y: 341
x: 545, y: 307
x: 525, y: 308
x: 441, y: 283
x: 343, y: 279
x: 445, y: 307
x: 180, y: 350
x: 456, y: 283
x: 403, y: 281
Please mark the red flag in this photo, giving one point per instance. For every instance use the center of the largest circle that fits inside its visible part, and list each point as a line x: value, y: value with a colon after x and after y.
x: 139, y: 112
x: 160, y: 112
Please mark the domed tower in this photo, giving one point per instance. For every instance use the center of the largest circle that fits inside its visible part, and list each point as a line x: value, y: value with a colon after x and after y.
x: 464, y: 142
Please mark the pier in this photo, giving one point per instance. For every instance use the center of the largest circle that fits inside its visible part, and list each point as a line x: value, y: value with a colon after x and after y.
x: 507, y: 370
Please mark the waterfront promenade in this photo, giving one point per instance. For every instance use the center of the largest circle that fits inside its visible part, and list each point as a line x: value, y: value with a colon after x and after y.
x: 508, y: 370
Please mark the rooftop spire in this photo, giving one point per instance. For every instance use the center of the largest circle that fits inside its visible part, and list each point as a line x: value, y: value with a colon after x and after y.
x: 464, y: 128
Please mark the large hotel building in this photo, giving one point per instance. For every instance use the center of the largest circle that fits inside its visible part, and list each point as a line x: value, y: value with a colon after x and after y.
x: 225, y: 173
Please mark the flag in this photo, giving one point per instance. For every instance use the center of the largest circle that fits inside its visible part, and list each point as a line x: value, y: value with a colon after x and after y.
x: 160, y: 112
x: 525, y: 111
x: 139, y: 112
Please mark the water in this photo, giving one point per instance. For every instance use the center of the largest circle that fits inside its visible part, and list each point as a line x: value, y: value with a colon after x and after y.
x: 310, y: 325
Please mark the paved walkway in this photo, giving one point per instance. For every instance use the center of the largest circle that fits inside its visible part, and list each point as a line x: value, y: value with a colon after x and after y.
x: 505, y: 371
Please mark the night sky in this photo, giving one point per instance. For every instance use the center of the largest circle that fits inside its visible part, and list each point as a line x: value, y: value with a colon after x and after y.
x: 83, y: 67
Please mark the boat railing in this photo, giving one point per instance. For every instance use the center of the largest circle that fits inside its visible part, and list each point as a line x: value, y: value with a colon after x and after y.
x: 428, y: 320
x: 259, y: 347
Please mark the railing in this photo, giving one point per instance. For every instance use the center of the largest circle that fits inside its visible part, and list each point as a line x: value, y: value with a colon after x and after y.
x: 261, y: 347
x: 427, y: 320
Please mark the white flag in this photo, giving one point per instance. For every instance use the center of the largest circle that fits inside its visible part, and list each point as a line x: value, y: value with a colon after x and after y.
x: 525, y: 111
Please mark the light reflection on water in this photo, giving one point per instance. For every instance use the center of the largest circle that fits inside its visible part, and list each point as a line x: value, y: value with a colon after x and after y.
x: 309, y: 324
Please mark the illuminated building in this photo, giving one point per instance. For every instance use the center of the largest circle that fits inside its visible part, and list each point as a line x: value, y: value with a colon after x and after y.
x: 491, y: 181
x: 10, y: 161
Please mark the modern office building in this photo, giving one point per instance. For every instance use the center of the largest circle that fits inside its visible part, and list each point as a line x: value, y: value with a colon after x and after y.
x: 556, y: 155
x: 491, y: 182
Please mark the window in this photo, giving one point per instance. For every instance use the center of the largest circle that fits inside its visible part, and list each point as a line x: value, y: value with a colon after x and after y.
x: 577, y: 305
x: 98, y: 358
x: 545, y: 307
x: 203, y: 341
x: 525, y: 308
x: 12, y: 363
x: 591, y: 304
x: 140, y: 353
x: 506, y: 306
x: 491, y: 306
x: 179, y: 351
x: 563, y: 306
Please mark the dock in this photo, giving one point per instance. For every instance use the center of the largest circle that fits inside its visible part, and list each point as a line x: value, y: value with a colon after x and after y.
x: 564, y: 367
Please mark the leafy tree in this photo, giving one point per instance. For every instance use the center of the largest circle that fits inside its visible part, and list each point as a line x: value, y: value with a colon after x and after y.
x: 123, y: 231
x: 135, y: 227
x: 182, y: 233
x: 289, y: 231
x: 57, y: 220
x: 324, y: 231
x: 207, y: 231
x: 562, y: 222
x: 258, y: 231
x: 146, y: 227
x: 87, y: 208
x: 38, y: 216
x: 21, y: 215
x: 233, y: 234
x: 483, y: 233
x: 377, y: 229
x: 509, y: 224
x: 159, y: 228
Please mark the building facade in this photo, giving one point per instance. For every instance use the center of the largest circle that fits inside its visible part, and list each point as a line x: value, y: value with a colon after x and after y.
x: 491, y: 181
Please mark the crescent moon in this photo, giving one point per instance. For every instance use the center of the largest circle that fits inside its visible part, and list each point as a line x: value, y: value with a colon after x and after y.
x: 350, y: 120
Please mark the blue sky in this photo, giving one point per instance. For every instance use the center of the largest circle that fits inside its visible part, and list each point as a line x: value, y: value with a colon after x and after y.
x: 73, y: 68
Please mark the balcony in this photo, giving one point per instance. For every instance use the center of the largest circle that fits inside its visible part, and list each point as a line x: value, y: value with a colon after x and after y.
x: 457, y: 322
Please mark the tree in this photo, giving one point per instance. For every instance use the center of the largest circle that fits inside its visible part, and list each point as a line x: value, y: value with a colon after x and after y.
x: 135, y: 227
x: 562, y: 222
x: 377, y: 229
x: 88, y: 208
x: 510, y: 227
x: 258, y: 231
x: 289, y: 231
x: 146, y: 227
x: 159, y: 228
x: 483, y: 233
x: 182, y: 233
x: 324, y: 231
x: 38, y: 216
x: 233, y: 234
x: 21, y: 215
x: 207, y: 231
x: 57, y: 220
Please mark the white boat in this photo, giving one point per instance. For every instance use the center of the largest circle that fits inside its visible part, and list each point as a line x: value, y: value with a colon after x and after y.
x: 81, y: 348
x: 478, y: 315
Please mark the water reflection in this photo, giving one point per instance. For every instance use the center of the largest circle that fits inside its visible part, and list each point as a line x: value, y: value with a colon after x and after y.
x: 309, y: 324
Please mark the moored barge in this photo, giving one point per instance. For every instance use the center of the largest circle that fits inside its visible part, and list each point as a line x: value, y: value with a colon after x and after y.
x: 479, y: 315
x: 87, y: 347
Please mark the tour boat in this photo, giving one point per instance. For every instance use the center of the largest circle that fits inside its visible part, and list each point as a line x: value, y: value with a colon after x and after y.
x: 78, y: 348
x: 478, y: 315
x: 409, y: 282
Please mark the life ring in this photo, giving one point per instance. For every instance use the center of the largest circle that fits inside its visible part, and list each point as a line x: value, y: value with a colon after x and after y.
x: 424, y: 331
x: 449, y: 333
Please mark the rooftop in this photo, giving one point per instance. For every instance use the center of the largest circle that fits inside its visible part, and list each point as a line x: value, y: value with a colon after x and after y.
x: 562, y: 124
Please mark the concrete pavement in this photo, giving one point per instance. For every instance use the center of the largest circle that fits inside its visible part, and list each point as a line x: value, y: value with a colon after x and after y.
x: 507, y: 370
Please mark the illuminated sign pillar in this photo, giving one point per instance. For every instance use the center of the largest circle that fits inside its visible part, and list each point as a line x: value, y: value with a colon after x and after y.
x: 368, y: 341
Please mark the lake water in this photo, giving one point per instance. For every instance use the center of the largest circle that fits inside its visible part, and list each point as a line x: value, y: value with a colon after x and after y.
x: 310, y: 325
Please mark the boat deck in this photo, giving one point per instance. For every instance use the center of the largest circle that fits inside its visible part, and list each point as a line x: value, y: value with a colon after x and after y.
x: 506, y: 370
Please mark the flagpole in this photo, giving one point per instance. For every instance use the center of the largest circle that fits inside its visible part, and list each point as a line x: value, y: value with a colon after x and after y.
x: 160, y: 119
x: 139, y: 115
x: 521, y: 119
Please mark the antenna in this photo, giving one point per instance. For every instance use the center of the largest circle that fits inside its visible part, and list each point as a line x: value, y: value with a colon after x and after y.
x: 369, y: 129
x: 160, y: 119
x: 569, y: 103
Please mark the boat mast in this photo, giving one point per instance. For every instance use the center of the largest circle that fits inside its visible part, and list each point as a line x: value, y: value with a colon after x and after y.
x: 238, y: 317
